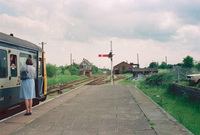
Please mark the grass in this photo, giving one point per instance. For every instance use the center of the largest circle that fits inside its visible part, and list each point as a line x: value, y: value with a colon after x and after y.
x: 117, y: 108
x: 151, y: 124
x: 184, y: 83
x: 101, y: 120
x: 180, y: 107
x: 189, y: 84
x: 59, y: 80
x: 128, y: 80
x: 63, y: 79
x: 116, y: 114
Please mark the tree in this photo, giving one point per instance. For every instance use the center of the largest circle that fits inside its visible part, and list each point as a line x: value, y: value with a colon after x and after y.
x: 66, y: 72
x: 51, y: 70
x: 188, y: 62
x: 179, y: 64
x: 59, y: 71
x: 169, y: 66
x: 74, y: 69
x: 62, y: 69
x: 94, y: 69
x: 197, y: 66
x: 163, y: 65
x: 153, y: 65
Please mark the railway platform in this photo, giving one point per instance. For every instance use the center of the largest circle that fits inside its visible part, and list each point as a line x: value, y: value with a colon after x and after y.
x: 96, y: 110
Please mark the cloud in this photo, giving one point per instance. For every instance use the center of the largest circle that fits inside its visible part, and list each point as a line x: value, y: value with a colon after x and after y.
x: 22, y: 26
x: 82, y: 20
x: 189, y: 36
x: 154, y: 29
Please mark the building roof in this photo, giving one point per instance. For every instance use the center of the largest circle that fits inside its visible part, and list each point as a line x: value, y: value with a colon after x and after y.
x: 18, y: 42
x: 122, y: 63
x: 86, y: 61
x: 85, y: 65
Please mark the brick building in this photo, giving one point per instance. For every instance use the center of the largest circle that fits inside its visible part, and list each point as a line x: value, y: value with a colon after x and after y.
x: 122, y: 67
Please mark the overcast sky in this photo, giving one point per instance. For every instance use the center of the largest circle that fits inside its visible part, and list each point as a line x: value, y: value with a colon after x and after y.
x: 153, y: 29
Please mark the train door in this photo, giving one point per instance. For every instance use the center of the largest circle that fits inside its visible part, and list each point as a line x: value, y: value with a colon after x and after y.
x: 40, y: 79
x: 4, y: 82
x: 14, y: 71
x: 14, y: 77
x: 3, y: 68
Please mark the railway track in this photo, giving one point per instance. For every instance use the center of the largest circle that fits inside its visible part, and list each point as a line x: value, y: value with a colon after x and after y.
x: 72, y: 84
x: 101, y: 80
x: 95, y: 80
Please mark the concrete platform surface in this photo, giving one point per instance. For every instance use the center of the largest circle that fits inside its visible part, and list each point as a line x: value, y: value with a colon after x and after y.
x: 96, y: 110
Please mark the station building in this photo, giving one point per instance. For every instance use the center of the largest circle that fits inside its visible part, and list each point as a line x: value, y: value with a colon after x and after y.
x: 85, y: 68
x: 122, y: 67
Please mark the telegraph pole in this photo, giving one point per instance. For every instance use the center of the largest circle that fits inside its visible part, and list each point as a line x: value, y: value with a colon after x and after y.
x: 71, y: 62
x: 42, y: 45
x: 70, y: 59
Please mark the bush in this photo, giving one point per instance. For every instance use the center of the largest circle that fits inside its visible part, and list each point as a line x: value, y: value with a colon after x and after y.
x: 66, y: 72
x: 158, y: 79
x: 198, y: 85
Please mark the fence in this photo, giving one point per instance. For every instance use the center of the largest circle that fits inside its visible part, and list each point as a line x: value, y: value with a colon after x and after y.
x: 179, y: 74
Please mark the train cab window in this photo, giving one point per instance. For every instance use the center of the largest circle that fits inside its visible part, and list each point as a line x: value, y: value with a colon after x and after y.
x: 3, y: 64
x: 13, y: 65
x: 34, y: 59
x: 40, y: 67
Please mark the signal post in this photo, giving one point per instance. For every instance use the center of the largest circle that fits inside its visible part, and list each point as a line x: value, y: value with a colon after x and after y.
x: 110, y: 55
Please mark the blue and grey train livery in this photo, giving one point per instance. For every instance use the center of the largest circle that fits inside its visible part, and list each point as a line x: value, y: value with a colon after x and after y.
x: 13, y: 55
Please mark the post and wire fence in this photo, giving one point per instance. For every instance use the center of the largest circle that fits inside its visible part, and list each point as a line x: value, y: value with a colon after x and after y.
x: 179, y: 74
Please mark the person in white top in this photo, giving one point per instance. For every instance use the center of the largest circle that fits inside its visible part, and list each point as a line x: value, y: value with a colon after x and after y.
x: 27, y: 89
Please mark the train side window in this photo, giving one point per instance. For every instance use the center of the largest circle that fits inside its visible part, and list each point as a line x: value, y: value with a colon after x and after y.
x: 22, y: 59
x: 3, y: 64
x: 13, y: 65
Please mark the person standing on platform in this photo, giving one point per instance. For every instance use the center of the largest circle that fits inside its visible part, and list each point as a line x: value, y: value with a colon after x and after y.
x: 27, y: 89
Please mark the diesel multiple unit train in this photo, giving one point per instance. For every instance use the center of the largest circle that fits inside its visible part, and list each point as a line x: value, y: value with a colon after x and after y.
x: 13, y: 55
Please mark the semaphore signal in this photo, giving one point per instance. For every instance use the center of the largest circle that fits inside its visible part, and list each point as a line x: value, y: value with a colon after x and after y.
x: 103, y: 55
x: 110, y: 55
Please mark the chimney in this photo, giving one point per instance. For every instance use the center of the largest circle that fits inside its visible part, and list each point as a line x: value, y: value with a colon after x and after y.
x: 137, y: 59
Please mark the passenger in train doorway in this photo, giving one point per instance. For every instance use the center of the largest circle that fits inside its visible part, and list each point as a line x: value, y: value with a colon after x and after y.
x: 12, y: 63
x: 27, y: 89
